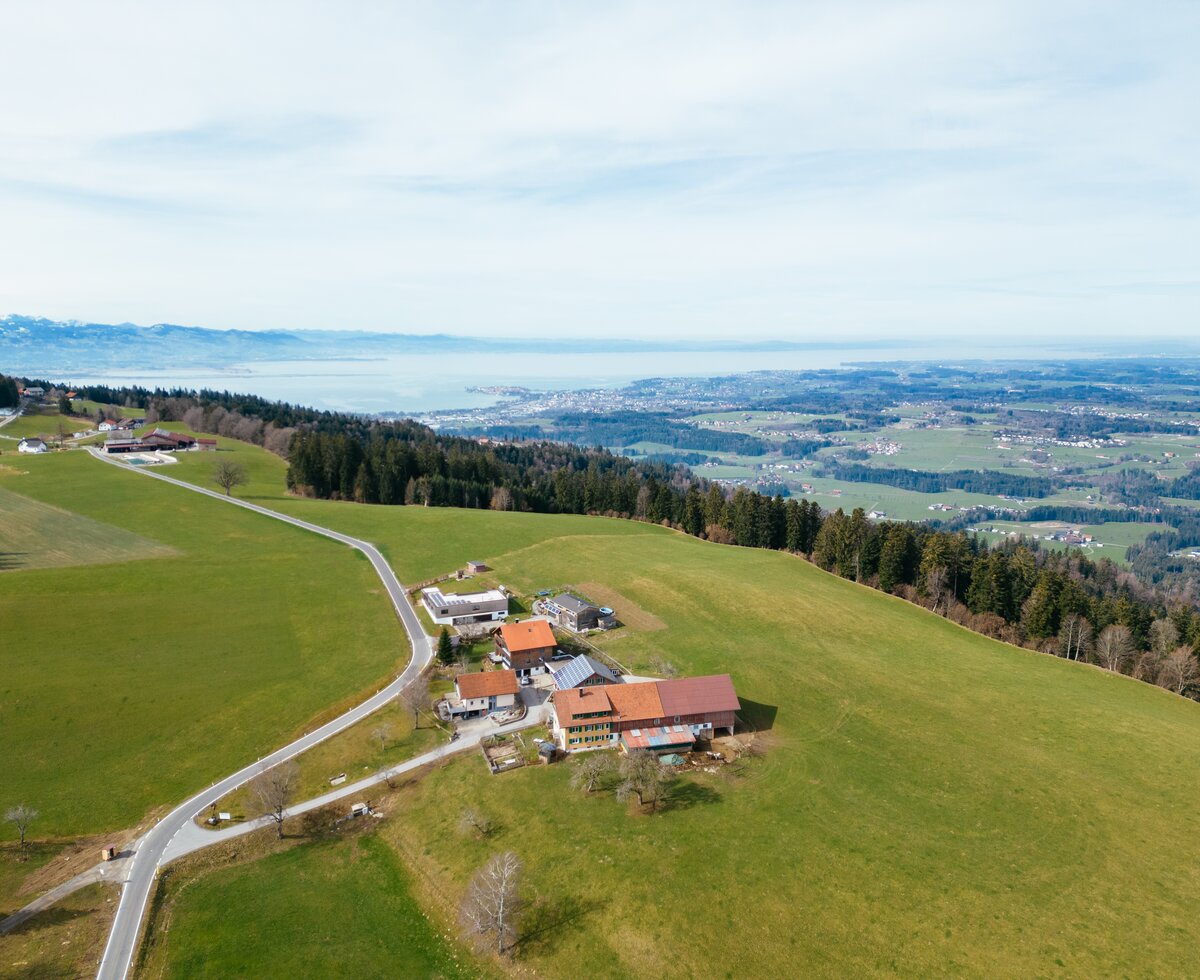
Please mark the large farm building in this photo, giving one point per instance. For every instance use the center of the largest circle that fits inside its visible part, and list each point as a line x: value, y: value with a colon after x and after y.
x: 660, y: 716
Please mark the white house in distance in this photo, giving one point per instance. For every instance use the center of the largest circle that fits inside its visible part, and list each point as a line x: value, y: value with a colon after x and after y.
x: 468, y: 607
x: 31, y: 445
x: 483, y: 693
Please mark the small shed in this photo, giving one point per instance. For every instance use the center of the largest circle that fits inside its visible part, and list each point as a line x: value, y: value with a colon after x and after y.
x: 547, y: 752
x: 475, y: 567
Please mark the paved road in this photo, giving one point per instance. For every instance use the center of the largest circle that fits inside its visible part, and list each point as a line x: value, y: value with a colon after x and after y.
x: 149, y: 851
x: 192, y: 837
x: 20, y: 410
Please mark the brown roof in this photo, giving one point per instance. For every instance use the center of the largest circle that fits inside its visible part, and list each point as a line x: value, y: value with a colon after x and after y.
x: 531, y: 635
x: 635, y: 702
x: 487, y: 684
x: 698, y: 695
x: 644, y: 701
x: 582, y: 700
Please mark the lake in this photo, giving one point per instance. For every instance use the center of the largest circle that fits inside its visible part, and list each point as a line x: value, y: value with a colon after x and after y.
x: 414, y: 383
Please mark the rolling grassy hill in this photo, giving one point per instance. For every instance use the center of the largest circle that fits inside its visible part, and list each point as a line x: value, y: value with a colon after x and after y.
x: 932, y: 801
x: 130, y: 683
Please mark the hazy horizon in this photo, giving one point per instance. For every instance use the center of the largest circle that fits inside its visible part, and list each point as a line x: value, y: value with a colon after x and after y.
x: 763, y: 171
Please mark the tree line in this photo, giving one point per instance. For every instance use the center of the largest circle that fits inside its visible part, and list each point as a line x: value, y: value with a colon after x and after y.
x: 926, y: 481
x: 9, y: 396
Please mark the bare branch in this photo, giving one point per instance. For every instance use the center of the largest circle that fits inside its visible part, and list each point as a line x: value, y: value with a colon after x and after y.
x: 272, y: 789
x: 492, y: 905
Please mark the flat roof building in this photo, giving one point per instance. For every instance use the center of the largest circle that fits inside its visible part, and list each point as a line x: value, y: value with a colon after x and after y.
x: 451, y: 609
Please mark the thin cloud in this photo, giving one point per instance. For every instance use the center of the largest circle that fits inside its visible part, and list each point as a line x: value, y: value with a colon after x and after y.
x: 755, y: 170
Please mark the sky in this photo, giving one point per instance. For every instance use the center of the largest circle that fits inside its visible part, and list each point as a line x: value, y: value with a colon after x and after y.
x: 743, y: 170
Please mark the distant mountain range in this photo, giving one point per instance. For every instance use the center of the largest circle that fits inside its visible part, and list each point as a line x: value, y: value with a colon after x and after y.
x: 53, y: 347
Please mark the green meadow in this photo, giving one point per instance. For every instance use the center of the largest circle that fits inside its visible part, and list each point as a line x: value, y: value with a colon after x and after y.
x: 335, y: 908
x: 929, y: 802
x: 36, y: 535
x: 177, y: 640
x: 40, y: 421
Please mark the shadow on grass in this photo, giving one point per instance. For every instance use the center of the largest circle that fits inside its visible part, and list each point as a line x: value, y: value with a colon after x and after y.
x: 545, y: 923
x: 755, y: 717
x: 53, y: 916
x: 12, y: 559
x: 685, y: 794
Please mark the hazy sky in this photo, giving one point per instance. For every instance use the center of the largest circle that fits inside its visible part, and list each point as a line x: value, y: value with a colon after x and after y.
x: 744, y: 170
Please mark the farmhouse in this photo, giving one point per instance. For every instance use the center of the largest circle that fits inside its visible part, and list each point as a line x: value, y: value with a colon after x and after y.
x: 572, y: 613
x: 661, y: 716
x: 482, y: 693
x: 467, y: 607
x: 525, y: 647
x: 32, y: 445
x: 117, y: 442
x: 163, y: 439
x: 581, y: 671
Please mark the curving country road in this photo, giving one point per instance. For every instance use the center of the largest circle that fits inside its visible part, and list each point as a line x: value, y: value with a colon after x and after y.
x: 151, y: 850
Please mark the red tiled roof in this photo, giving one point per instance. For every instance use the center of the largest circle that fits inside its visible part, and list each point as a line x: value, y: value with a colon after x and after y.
x: 531, y: 635
x: 697, y: 695
x: 489, y: 683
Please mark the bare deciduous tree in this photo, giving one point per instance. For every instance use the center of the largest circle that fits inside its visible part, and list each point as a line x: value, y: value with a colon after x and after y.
x: 228, y: 474
x: 592, y: 770
x: 645, y: 777
x: 1114, y: 647
x: 272, y: 789
x: 382, y: 734
x: 1074, y: 637
x: 1164, y: 637
x: 473, y: 822
x: 1146, y: 668
x: 935, y: 585
x: 663, y: 668
x: 415, y: 697
x: 492, y: 906
x: 1179, y: 670
x: 21, y: 816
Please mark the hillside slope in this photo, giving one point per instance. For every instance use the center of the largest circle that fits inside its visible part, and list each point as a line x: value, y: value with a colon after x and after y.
x: 932, y: 801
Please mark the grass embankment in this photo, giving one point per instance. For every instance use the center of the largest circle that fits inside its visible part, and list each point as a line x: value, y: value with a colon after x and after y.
x: 933, y: 801
x: 131, y: 685
x: 339, y: 907
x: 64, y: 941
